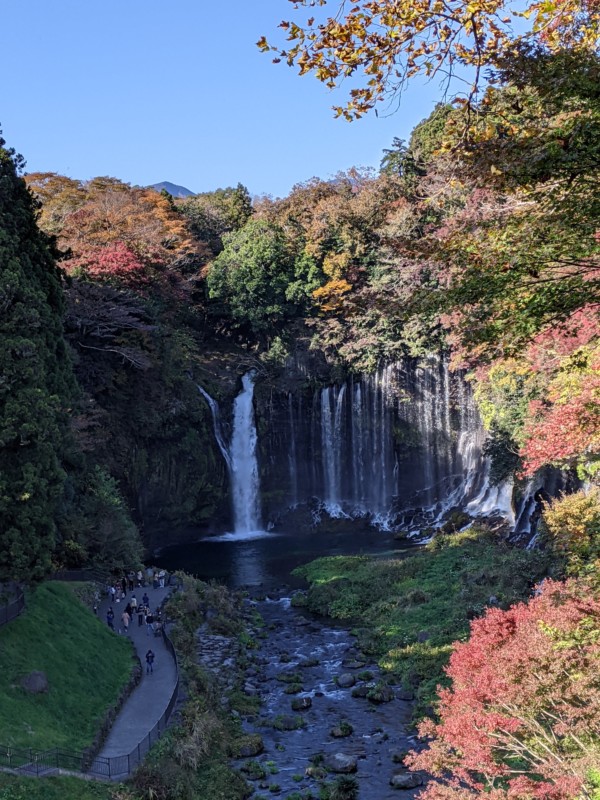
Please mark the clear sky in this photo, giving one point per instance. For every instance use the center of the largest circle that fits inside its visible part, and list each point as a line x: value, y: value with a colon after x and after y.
x: 153, y: 90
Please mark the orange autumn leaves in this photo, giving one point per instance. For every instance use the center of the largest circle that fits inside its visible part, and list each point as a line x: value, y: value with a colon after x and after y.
x: 379, y: 45
x: 111, y: 230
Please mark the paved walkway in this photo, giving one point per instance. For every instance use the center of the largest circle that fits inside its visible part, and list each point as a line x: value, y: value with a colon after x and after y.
x: 147, y: 703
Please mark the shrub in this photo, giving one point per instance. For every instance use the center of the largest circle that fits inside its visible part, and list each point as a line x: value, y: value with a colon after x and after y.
x: 573, y: 526
x: 344, y: 788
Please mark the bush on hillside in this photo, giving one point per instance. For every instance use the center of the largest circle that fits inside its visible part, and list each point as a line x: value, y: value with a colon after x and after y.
x: 572, y: 523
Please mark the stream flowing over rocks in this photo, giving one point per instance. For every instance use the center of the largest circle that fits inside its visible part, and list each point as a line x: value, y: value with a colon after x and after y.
x: 326, y: 708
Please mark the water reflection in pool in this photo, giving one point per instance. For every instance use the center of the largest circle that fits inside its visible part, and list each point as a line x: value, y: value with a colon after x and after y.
x: 267, y: 559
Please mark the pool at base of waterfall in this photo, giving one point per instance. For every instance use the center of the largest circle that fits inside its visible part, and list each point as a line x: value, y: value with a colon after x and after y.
x: 264, y: 559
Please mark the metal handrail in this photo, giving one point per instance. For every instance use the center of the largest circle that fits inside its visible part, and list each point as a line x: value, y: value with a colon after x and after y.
x: 12, y: 610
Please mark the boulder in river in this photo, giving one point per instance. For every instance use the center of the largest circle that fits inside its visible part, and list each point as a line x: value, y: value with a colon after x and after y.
x: 405, y: 780
x: 353, y: 663
x: 249, y: 746
x: 345, y: 680
x: 342, y: 730
x: 340, y: 763
x: 285, y: 722
x: 301, y: 703
x: 380, y: 693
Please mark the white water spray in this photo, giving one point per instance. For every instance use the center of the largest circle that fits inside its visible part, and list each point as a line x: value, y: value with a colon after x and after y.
x: 241, y: 460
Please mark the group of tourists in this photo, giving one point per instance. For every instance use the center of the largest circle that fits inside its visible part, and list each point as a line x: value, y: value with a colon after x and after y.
x: 140, y: 610
x: 124, y: 590
x: 136, y: 580
x: 143, y: 614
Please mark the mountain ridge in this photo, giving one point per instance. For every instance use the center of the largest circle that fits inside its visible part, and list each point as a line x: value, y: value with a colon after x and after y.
x: 172, y: 188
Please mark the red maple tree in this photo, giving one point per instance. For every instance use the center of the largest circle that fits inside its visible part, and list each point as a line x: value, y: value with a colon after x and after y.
x: 522, y: 716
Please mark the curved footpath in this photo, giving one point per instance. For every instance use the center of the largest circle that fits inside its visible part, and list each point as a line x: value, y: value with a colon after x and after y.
x: 147, y: 703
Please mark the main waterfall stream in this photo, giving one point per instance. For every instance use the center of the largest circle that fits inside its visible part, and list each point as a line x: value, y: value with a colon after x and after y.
x: 240, y: 457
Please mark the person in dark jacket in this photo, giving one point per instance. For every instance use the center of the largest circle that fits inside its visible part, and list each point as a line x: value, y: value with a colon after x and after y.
x: 149, y: 661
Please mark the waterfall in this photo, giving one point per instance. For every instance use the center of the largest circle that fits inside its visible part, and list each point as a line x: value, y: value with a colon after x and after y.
x: 245, y: 480
x: 332, y: 443
x: 240, y: 458
x: 293, y: 458
x: 216, y: 418
x: 402, y: 446
x: 404, y: 441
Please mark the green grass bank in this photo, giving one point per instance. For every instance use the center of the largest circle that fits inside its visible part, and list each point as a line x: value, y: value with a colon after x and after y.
x: 86, y: 666
x: 12, y: 788
x: 408, y: 612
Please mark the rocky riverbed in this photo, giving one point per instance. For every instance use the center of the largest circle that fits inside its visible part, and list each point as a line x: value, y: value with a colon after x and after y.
x: 326, y: 713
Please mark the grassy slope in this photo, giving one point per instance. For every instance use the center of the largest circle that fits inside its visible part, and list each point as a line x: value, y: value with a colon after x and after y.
x: 12, y: 788
x: 435, y: 592
x: 85, y: 663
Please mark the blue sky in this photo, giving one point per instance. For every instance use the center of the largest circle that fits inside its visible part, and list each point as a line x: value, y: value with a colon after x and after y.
x: 152, y: 90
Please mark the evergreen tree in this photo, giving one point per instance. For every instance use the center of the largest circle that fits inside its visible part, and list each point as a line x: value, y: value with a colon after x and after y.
x: 35, y: 381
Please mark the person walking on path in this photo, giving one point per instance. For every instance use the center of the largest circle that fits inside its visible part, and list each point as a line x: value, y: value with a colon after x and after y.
x: 110, y: 618
x: 146, y: 600
x: 133, y: 603
x: 149, y: 661
x: 149, y: 623
x: 126, y: 618
x: 141, y: 612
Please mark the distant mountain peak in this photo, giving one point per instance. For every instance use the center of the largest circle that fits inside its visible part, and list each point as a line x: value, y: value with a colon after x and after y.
x: 172, y: 188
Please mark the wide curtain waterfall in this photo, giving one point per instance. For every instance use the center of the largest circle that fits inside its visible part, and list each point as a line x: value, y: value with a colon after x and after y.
x: 407, y: 438
x: 399, y: 447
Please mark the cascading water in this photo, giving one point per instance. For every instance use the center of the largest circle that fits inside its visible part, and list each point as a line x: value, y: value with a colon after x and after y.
x: 216, y: 417
x: 240, y: 457
x: 400, y: 447
x: 245, y: 480
x: 405, y: 441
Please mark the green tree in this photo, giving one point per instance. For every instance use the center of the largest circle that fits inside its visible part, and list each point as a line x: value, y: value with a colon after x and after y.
x: 36, y: 381
x: 411, y: 161
x: 213, y: 214
x: 252, y: 274
x: 98, y: 529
